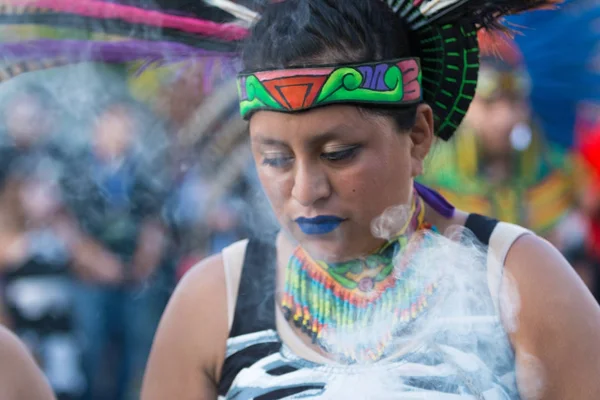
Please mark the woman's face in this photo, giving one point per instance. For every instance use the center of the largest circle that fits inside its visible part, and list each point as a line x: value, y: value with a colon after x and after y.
x: 330, y: 172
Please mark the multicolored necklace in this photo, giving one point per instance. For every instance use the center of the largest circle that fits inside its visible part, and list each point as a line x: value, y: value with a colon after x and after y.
x: 353, y: 309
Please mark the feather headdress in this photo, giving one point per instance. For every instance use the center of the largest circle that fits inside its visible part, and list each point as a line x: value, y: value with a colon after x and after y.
x: 41, y: 34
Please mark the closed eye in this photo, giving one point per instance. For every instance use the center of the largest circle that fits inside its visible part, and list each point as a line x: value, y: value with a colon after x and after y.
x: 277, y: 162
x: 341, y: 155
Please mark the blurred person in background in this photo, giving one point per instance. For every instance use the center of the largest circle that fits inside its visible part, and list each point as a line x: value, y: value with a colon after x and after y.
x: 30, y: 121
x: 201, y: 229
x: 196, y: 230
x: 500, y: 164
x: 35, y: 256
x: 177, y: 101
x: 115, y: 191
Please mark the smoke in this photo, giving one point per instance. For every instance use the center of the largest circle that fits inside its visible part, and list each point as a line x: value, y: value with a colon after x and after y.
x: 257, y: 212
x: 530, y: 377
x: 80, y: 92
x: 390, y: 221
x: 459, y: 344
x: 462, y: 328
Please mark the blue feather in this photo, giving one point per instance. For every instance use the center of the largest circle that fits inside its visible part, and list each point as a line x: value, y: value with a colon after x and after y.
x: 562, y: 53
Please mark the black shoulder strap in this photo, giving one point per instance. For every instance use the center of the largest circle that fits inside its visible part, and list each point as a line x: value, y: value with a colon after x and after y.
x: 481, y: 226
x: 255, y: 306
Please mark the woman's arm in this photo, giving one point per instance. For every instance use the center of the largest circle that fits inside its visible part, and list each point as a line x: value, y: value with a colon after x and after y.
x: 557, y: 341
x: 20, y: 377
x: 189, y: 346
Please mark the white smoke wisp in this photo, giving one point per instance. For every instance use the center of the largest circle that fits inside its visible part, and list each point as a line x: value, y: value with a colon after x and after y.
x: 530, y: 377
x: 460, y: 340
x: 390, y: 222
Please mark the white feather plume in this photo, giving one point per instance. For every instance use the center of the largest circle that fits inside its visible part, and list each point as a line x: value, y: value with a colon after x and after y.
x: 246, y: 16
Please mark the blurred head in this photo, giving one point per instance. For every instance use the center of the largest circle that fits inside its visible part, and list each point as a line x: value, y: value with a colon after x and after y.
x: 502, y: 100
x: 115, y: 130
x: 31, y: 115
x: 30, y: 188
x: 342, y: 163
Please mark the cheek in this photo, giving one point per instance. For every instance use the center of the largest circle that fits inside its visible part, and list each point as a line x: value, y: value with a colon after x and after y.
x: 276, y: 185
x: 381, y: 181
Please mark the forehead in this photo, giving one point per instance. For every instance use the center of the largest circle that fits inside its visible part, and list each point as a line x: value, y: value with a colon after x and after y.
x: 339, y: 120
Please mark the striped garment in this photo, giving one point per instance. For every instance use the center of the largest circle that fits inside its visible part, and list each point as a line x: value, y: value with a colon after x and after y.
x: 466, y: 357
x: 445, y: 373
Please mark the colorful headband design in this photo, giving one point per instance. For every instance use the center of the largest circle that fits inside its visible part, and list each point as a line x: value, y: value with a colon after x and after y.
x: 385, y: 83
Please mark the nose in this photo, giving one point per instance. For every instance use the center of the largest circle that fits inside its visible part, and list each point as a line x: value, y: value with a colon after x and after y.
x: 310, y: 184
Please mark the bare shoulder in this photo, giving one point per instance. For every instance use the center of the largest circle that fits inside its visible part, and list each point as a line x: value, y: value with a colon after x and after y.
x: 189, y: 346
x: 558, y: 322
x: 204, y: 282
x: 20, y: 377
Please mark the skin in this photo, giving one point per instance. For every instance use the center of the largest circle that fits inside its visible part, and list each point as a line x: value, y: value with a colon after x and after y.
x: 20, y: 377
x: 559, y: 320
x: 332, y: 164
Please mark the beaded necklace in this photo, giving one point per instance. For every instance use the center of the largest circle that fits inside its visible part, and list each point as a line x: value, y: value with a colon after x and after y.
x: 353, y: 309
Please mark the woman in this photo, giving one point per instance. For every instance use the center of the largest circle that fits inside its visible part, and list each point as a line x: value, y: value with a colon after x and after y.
x: 264, y: 320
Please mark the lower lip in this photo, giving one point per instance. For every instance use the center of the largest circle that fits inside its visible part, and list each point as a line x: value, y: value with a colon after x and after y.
x: 318, y: 229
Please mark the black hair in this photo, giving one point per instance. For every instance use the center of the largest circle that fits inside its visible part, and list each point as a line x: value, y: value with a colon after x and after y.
x: 296, y: 33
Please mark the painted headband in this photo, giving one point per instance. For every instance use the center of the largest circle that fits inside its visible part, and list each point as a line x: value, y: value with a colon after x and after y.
x: 392, y: 83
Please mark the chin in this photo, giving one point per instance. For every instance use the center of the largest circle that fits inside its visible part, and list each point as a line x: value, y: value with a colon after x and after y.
x: 331, y: 250
x: 324, y: 252
x: 329, y: 247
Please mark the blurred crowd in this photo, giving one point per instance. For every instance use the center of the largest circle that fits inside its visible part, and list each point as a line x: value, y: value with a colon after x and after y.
x: 101, y: 214
x: 502, y: 164
x: 96, y: 232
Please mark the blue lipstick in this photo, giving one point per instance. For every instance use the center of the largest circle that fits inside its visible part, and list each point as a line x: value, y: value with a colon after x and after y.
x: 319, y: 225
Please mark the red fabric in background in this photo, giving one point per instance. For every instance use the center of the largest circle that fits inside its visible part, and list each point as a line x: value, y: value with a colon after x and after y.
x: 588, y: 145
